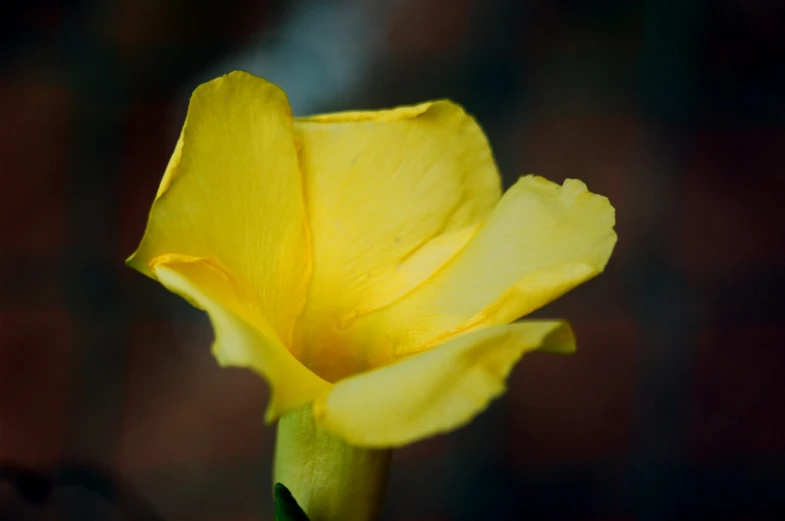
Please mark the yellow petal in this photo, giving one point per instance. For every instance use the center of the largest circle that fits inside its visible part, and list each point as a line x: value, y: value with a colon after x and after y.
x: 435, y: 391
x: 242, y: 337
x: 391, y: 196
x: 232, y: 193
x: 541, y: 241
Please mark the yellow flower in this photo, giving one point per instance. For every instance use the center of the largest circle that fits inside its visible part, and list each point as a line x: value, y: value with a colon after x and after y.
x: 365, y: 264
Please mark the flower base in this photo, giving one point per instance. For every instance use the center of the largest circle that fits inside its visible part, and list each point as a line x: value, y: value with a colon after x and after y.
x: 330, y: 479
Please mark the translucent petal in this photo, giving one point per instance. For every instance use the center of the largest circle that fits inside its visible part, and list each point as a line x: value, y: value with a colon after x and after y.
x: 232, y: 193
x: 391, y: 197
x: 242, y: 336
x: 541, y: 241
x: 434, y: 391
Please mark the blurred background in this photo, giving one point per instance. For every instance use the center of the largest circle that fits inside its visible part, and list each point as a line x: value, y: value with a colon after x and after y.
x: 674, y: 406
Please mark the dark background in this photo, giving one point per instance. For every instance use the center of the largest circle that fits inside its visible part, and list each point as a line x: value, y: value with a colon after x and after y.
x: 674, y: 406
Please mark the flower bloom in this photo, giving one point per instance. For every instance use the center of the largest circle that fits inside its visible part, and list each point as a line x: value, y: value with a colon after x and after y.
x: 366, y: 264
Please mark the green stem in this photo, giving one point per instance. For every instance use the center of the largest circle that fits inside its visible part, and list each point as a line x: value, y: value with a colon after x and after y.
x: 330, y: 479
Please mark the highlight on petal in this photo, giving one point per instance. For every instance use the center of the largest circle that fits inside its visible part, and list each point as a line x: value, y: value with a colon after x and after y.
x: 232, y: 193
x: 541, y: 241
x: 392, y: 196
x: 242, y: 337
x: 437, y: 390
